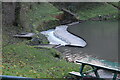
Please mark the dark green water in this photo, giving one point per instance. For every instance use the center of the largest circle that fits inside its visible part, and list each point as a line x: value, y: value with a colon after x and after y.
x: 101, y: 36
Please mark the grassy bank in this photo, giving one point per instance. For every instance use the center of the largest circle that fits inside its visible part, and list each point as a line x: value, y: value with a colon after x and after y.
x: 33, y: 17
x: 88, y: 10
x: 97, y: 10
x: 22, y: 60
x: 39, y: 16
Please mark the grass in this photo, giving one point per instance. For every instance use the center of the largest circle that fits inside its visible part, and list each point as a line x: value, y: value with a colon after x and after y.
x: 88, y: 12
x: 115, y: 3
x: 44, y: 12
x: 22, y: 60
x: 7, y: 35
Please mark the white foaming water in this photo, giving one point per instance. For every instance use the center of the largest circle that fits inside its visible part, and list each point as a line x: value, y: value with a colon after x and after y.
x: 52, y: 39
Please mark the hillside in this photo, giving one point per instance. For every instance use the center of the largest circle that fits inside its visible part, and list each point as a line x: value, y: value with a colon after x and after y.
x: 20, y: 59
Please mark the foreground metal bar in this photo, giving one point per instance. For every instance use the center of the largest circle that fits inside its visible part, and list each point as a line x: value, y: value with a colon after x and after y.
x: 81, y: 70
x: 6, y: 77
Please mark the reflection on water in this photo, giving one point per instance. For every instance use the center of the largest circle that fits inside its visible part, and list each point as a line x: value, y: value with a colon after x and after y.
x: 101, y: 36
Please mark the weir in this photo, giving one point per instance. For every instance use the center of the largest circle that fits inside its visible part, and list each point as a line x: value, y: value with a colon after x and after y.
x: 61, y: 36
x: 62, y: 33
x: 52, y: 38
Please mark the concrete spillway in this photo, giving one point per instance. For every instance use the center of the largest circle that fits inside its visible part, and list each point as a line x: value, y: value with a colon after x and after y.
x: 61, y: 36
x: 62, y: 33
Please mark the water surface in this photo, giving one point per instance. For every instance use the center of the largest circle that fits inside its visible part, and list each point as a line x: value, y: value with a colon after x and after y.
x: 101, y: 37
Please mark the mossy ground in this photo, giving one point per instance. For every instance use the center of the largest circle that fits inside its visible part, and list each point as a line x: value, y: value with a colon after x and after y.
x: 116, y: 4
x: 97, y: 10
x: 89, y: 10
x: 22, y: 60
x: 40, y: 16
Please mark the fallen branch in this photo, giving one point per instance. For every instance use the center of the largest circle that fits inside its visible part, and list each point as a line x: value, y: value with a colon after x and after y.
x: 69, y: 12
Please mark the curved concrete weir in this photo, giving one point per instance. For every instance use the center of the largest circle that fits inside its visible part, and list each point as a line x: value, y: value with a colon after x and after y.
x: 62, y: 33
x: 61, y: 36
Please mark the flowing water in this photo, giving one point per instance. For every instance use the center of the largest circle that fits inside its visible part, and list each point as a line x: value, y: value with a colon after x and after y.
x: 101, y: 38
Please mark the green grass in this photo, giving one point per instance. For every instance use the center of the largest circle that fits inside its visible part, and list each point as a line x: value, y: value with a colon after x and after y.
x: 91, y: 11
x: 22, y: 60
x: 7, y: 35
x: 115, y: 3
x: 44, y: 12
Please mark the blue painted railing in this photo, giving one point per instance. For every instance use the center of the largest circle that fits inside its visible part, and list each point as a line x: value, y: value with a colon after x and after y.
x: 6, y: 77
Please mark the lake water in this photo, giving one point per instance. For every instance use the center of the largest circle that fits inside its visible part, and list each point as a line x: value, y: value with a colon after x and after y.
x: 101, y: 38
